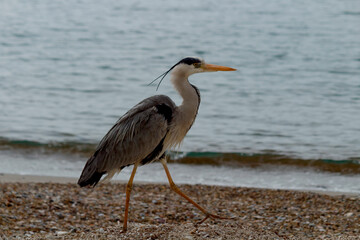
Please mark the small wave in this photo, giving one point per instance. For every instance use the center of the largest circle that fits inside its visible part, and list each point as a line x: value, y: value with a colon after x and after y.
x: 234, y: 159
x: 351, y: 13
x: 349, y: 166
x: 48, y: 148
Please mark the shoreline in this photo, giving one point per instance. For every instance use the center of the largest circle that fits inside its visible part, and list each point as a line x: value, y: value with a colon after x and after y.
x: 20, y: 178
x: 267, y: 175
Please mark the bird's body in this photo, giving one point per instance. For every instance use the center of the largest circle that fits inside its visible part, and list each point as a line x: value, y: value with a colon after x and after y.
x: 142, y: 135
x: 146, y: 131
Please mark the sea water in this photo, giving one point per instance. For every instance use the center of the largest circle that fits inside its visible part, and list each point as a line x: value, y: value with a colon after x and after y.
x: 70, y: 69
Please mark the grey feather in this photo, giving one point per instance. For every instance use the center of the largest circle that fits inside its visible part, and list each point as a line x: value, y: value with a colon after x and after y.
x: 133, y: 137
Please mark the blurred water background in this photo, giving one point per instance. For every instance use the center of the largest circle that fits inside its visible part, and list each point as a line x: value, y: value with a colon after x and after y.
x: 70, y: 69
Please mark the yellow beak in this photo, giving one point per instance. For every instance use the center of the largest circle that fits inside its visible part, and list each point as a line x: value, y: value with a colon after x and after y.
x: 213, y: 68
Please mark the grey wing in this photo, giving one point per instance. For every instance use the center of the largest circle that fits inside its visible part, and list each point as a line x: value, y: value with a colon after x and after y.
x: 136, y: 134
x: 137, y: 137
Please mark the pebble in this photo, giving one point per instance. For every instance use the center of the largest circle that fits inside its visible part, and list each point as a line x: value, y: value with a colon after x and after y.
x: 349, y: 214
x: 66, y: 210
x: 60, y: 233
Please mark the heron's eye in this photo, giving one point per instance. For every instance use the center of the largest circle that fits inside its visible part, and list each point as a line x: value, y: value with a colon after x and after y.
x: 197, y: 65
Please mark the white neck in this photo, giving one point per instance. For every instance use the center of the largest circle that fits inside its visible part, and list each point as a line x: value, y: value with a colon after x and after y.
x: 185, y: 114
x: 188, y: 108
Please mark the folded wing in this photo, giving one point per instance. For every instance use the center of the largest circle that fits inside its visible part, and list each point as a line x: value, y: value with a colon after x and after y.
x: 137, y: 137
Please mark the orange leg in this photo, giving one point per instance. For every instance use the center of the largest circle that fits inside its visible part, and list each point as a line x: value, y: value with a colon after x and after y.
x: 128, y: 191
x: 178, y: 191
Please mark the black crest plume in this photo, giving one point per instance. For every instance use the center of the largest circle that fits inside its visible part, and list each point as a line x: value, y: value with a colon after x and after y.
x: 188, y: 61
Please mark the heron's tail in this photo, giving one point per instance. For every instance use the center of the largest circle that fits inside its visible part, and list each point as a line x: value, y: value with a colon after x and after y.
x: 90, y: 176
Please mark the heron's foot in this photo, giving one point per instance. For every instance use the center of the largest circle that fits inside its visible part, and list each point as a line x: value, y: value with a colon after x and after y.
x: 213, y: 216
x: 124, y: 230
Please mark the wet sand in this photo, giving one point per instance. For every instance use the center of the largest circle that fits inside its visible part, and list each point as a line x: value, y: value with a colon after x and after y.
x: 56, y: 208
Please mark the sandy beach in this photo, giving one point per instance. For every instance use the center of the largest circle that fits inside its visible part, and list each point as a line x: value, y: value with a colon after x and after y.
x: 35, y: 207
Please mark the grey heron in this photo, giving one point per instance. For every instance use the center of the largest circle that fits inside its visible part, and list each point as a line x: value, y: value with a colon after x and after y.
x: 145, y: 132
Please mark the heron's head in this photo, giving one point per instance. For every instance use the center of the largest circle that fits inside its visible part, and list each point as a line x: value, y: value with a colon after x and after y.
x: 190, y: 65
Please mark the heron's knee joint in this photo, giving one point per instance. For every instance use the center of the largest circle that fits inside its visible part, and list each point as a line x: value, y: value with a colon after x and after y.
x: 174, y: 187
x: 129, y: 187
